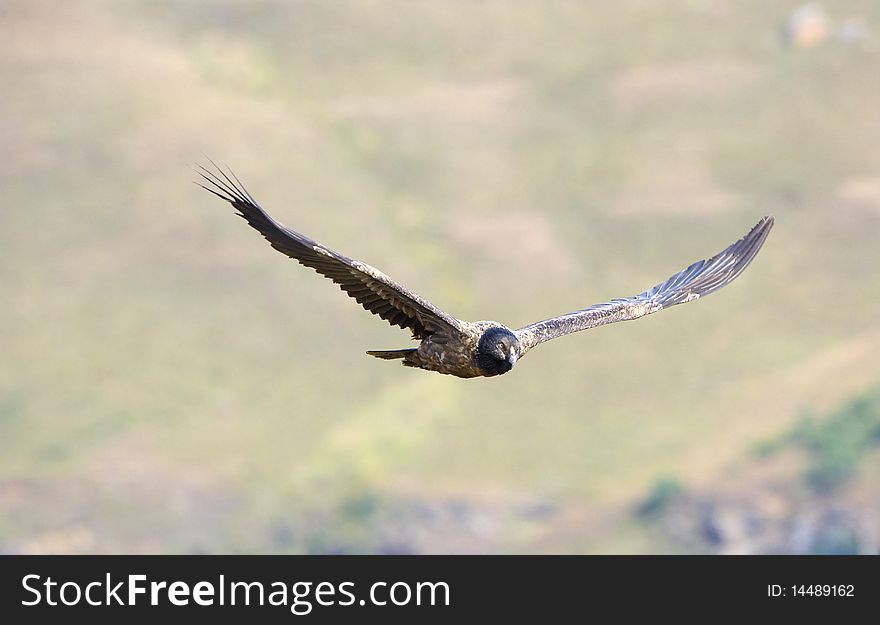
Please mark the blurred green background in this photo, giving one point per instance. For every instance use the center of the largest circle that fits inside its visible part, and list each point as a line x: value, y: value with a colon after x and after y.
x: 170, y: 384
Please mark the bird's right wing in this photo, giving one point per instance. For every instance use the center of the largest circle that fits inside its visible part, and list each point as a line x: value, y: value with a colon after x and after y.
x: 372, y: 289
x: 701, y: 278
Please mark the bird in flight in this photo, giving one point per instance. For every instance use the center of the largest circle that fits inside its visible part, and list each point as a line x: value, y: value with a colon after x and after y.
x: 480, y: 348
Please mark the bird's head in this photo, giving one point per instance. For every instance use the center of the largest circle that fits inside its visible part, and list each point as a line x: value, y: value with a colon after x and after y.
x: 497, y: 351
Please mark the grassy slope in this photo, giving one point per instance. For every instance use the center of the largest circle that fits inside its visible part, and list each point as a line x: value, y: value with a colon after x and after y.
x: 170, y: 383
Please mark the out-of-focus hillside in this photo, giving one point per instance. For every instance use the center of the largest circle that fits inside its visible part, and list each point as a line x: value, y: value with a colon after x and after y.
x: 169, y: 383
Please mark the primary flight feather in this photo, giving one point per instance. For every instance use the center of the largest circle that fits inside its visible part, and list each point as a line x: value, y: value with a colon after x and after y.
x: 481, y: 348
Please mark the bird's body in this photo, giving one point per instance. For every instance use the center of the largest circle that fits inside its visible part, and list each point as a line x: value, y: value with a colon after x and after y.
x: 469, y: 356
x: 480, y: 348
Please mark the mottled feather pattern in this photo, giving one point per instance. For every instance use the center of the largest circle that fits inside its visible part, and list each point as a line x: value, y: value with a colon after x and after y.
x: 699, y: 279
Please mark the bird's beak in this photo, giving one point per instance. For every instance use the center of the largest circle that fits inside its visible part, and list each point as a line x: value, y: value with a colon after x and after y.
x: 512, y: 359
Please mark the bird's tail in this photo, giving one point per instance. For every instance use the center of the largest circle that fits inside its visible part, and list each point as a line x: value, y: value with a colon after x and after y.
x: 391, y: 354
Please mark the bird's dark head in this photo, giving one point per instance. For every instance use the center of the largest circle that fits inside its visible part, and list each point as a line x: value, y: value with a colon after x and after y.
x: 497, y: 351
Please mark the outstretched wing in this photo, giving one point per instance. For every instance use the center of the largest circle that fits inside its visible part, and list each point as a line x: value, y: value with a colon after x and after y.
x: 373, y: 290
x: 701, y: 278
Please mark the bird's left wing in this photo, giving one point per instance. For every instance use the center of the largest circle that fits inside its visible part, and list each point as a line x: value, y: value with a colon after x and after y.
x: 701, y: 278
x: 372, y: 289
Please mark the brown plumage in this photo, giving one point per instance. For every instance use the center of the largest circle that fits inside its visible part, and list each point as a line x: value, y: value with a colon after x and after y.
x: 482, y: 348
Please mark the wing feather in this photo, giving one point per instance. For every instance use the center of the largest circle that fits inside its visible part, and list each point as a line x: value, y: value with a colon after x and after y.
x: 699, y: 279
x: 375, y: 291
